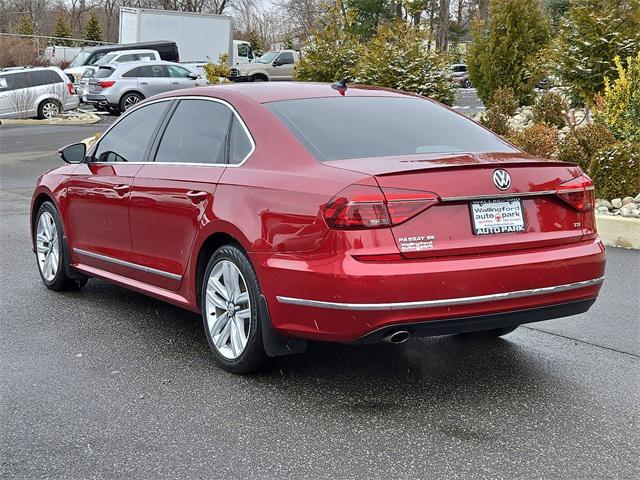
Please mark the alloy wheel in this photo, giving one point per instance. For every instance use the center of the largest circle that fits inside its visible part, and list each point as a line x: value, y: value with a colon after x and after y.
x: 47, y: 246
x: 50, y: 110
x: 228, y: 309
x: 130, y: 101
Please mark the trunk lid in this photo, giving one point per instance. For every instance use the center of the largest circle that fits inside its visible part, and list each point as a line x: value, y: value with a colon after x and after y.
x: 472, y: 208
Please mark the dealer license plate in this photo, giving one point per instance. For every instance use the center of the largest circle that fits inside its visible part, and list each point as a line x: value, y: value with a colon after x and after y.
x: 497, y: 216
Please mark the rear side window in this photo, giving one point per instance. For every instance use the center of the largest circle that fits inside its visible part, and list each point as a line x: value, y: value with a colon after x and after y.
x: 44, y: 77
x: 128, y: 140
x: 196, y: 133
x: 337, y: 128
x: 148, y: 71
x: 239, y: 144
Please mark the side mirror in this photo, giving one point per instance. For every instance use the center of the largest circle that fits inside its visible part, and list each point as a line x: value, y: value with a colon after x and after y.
x: 193, y: 76
x: 276, y: 63
x: 74, y: 153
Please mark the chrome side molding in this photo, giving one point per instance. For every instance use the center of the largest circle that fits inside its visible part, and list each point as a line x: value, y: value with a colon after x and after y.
x: 445, y: 302
x: 123, y: 263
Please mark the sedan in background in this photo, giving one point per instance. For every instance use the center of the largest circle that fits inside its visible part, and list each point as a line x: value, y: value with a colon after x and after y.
x: 117, y: 88
x: 290, y: 212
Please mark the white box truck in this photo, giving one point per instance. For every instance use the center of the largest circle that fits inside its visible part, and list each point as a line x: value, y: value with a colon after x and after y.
x: 200, y: 36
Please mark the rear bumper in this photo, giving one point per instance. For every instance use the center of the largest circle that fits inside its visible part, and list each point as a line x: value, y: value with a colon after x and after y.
x: 99, y: 100
x: 341, y: 299
x: 477, y: 323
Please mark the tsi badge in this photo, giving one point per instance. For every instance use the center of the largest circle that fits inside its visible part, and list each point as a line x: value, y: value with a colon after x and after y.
x: 501, y: 179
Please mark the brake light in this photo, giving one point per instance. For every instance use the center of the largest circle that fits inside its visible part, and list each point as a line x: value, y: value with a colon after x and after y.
x: 71, y: 89
x: 578, y: 192
x: 360, y: 207
x: 106, y: 83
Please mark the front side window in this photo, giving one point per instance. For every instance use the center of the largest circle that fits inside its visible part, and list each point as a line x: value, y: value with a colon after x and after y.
x: 129, y: 139
x: 337, y: 128
x: 243, y: 50
x: 178, y: 72
x: 286, y: 58
x: 196, y: 133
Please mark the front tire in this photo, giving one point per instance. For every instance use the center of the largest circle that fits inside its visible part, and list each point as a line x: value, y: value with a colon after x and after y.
x: 51, y: 252
x: 230, y: 311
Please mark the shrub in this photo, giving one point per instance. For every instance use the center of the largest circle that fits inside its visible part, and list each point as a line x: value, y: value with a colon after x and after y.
x: 218, y: 72
x: 538, y: 139
x: 503, y: 105
x: 620, y: 104
x: 505, y: 52
x: 333, y: 53
x: 593, y: 33
x: 615, y: 170
x: 396, y: 58
x: 581, y: 145
x: 15, y: 52
x: 550, y: 109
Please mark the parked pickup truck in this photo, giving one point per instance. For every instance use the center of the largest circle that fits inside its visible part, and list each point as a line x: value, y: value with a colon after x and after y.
x: 272, y: 66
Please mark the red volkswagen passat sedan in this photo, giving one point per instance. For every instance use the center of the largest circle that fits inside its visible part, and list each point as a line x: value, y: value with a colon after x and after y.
x: 292, y: 212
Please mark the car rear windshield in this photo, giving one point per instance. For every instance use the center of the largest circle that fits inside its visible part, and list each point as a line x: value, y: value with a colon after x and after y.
x: 103, y: 72
x: 337, y: 128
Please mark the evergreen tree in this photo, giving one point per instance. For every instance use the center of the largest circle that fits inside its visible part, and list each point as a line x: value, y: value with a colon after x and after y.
x: 93, y: 30
x: 592, y: 35
x: 369, y: 14
x: 25, y: 26
x: 256, y: 43
x: 61, y: 30
x: 505, y: 52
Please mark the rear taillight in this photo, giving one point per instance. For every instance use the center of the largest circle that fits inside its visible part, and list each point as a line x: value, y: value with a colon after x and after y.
x: 71, y: 89
x: 106, y: 83
x: 578, y: 192
x: 362, y: 206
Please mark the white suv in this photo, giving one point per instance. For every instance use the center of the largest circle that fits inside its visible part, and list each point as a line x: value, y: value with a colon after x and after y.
x: 44, y: 92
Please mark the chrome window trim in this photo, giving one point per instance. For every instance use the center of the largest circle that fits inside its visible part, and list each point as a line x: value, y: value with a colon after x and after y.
x: 124, y: 263
x: 442, y: 302
x: 497, y: 195
x: 169, y: 99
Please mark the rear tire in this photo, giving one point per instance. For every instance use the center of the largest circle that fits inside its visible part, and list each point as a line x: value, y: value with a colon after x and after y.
x: 51, y: 251
x: 49, y: 108
x: 230, y: 313
x: 130, y: 100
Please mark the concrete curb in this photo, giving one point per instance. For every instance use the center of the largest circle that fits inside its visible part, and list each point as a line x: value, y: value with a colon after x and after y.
x: 86, y: 119
x: 619, y: 231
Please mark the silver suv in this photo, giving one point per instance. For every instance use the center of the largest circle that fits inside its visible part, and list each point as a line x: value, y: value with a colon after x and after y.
x: 119, y: 87
x: 44, y: 92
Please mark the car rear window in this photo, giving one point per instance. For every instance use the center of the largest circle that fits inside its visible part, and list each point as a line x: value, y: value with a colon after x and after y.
x: 337, y: 128
x: 103, y: 72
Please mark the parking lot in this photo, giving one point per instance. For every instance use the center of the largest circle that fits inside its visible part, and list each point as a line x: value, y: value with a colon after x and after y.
x: 107, y: 383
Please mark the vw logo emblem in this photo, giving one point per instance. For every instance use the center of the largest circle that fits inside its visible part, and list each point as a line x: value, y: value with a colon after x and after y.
x: 501, y: 179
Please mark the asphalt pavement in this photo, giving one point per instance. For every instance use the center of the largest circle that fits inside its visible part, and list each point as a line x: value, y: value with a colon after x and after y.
x: 107, y: 383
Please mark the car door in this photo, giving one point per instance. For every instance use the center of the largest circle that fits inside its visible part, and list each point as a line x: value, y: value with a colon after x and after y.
x: 282, y: 67
x: 179, y: 77
x: 152, y: 79
x: 171, y: 195
x: 98, y: 191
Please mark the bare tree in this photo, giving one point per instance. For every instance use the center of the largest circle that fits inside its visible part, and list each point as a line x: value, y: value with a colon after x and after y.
x: 444, y: 22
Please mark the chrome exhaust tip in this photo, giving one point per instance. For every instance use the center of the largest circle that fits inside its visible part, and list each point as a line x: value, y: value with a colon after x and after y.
x: 397, y: 337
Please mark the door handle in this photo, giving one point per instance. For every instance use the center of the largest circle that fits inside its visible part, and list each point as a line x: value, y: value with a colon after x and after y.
x: 197, y: 196
x: 121, y: 189
x: 175, y: 83
x: 144, y: 83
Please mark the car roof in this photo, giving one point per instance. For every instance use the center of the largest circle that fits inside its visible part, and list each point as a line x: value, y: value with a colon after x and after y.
x: 264, y: 92
x: 28, y: 69
x: 127, y: 65
x: 137, y: 50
